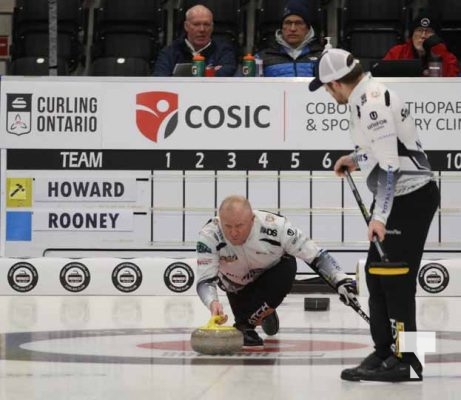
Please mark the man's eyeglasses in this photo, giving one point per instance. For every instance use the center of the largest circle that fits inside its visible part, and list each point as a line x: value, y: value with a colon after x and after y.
x: 297, y: 24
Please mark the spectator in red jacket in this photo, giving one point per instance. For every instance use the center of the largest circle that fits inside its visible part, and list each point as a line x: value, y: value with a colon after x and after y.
x: 424, y: 42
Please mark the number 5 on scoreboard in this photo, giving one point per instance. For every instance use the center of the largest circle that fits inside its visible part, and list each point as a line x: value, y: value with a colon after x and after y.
x: 294, y: 160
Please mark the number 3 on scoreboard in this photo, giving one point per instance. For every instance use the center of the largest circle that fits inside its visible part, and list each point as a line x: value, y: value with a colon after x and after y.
x: 232, y: 158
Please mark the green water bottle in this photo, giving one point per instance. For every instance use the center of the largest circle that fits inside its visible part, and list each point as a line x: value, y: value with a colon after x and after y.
x: 249, y: 65
x: 198, y: 65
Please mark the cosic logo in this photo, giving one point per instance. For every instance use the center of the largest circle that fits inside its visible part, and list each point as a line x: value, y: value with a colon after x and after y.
x: 178, y: 277
x: 157, y: 114
x: 234, y: 116
x: 127, y: 277
x: 22, y: 277
x: 18, y: 113
x: 433, y: 277
x: 74, y: 277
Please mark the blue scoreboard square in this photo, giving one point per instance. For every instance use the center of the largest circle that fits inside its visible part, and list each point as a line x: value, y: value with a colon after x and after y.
x: 18, y: 226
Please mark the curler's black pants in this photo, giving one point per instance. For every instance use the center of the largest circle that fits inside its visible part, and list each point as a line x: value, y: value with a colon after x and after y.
x: 268, y: 291
x: 392, y: 297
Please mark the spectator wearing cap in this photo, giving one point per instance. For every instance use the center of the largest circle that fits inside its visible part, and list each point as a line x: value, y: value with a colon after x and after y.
x: 424, y: 42
x: 296, y: 49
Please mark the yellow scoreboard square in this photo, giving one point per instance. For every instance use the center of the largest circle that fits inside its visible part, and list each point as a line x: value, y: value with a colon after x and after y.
x: 19, y: 192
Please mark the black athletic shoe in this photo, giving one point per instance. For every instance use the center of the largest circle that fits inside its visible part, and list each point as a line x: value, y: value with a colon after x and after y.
x: 270, y: 324
x: 392, y: 369
x: 251, y: 338
x: 370, y: 363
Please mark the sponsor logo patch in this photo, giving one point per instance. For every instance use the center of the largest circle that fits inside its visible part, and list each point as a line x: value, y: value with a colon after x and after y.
x: 178, y: 277
x: 157, y: 114
x: 127, y: 277
x: 74, y: 277
x: 433, y: 277
x: 203, y: 248
x: 18, y: 113
x: 22, y: 277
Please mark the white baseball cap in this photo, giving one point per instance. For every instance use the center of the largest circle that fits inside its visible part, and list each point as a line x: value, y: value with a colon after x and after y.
x: 334, y: 64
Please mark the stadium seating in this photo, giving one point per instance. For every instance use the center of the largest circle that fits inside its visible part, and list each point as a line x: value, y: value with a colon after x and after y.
x: 32, y: 15
x: 449, y: 13
x: 129, y: 30
x: 368, y: 28
x: 138, y: 29
x: 125, y: 44
x: 30, y: 36
x: 35, y: 66
x: 36, y: 44
x: 113, y: 66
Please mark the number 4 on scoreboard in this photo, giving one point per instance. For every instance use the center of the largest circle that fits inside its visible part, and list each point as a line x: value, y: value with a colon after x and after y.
x: 263, y: 160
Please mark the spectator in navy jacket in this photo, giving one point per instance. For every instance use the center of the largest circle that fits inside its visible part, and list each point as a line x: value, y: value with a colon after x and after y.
x: 198, y: 27
x: 296, y: 50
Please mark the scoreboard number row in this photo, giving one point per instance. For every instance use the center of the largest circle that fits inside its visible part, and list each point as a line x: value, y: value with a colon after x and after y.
x: 241, y: 160
x: 217, y: 160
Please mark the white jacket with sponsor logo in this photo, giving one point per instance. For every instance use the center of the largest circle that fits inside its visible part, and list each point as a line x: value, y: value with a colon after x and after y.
x: 271, y: 237
x: 387, y: 146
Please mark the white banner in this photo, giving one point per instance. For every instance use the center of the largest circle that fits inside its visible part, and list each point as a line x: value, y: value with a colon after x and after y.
x: 203, y: 113
x: 84, y: 190
x: 59, y: 219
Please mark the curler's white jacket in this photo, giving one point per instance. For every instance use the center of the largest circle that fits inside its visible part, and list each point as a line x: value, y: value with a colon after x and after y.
x: 271, y: 237
x: 387, y: 146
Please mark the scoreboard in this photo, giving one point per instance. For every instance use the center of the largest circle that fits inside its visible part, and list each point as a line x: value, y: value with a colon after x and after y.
x: 134, y: 166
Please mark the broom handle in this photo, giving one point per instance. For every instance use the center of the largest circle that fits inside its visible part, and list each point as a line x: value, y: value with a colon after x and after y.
x: 366, y: 214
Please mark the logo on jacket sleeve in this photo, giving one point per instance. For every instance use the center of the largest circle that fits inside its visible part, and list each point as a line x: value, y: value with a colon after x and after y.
x: 156, y: 114
x: 203, y: 248
x: 268, y: 231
